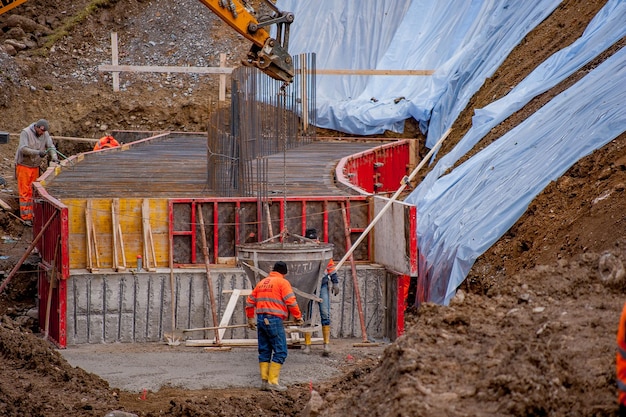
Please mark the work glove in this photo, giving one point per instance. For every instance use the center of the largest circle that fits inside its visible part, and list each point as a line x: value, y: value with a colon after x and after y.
x: 300, y: 321
x: 42, y: 154
x: 252, y: 323
x: 335, y: 289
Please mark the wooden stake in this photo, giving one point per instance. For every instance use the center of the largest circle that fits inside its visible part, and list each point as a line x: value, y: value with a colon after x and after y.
x: 115, y: 61
x: 207, y: 264
x: 149, y: 255
x: 222, y: 87
x: 172, y: 338
x: 118, y: 240
x: 355, y: 281
x: 92, y: 244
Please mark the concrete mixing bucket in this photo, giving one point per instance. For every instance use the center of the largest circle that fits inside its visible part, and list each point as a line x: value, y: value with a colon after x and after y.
x: 306, y: 263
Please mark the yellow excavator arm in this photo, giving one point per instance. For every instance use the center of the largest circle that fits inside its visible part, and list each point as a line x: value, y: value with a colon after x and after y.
x: 268, y: 54
x: 6, y: 5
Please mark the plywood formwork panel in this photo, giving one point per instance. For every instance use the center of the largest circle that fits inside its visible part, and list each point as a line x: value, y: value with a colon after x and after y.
x: 130, y: 220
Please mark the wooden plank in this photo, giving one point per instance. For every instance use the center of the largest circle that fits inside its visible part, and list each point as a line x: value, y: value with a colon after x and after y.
x: 73, y: 139
x: 222, y: 87
x: 238, y: 342
x: 228, y: 313
x: 5, y: 206
x: 165, y: 68
x: 115, y: 61
x: 403, y: 73
x: 149, y: 254
x: 241, y: 292
x: 118, y: 242
x: 92, y: 243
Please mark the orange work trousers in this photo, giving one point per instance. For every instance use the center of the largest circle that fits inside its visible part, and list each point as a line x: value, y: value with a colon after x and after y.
x: 25, y: 178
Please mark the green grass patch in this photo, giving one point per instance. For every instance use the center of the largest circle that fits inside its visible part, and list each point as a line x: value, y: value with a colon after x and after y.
x: 73, y: 21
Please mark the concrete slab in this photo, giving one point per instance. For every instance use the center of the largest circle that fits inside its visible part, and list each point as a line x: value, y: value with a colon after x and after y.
x: 151, y: 366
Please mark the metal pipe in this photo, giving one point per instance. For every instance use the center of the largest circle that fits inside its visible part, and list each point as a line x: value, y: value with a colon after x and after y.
x: 405, y: 182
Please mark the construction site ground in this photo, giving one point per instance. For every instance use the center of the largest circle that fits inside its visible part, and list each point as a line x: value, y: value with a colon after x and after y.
x: 531, y: 333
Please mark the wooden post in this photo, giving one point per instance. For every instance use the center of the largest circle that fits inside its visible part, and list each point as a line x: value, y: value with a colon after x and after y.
x: 355, y: 281
x: 115, y: 61
x: 207, y: 263
x: 222, y: 91
x: 149, y: 254
x: 117, y: 238
x: 92, y: 243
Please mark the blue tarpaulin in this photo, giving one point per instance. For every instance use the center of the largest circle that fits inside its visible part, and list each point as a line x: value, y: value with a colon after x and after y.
x: 461, y: 214
x: 454, y: 227
x: 462, y: 41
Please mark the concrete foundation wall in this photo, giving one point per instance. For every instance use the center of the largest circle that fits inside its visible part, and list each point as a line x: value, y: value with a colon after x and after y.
x: 132, y: 307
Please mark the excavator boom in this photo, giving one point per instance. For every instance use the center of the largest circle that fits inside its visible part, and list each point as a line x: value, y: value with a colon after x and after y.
x: 268, y: 54
x: 6, y: 5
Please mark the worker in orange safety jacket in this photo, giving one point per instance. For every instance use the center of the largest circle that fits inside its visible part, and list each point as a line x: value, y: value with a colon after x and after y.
x: 621, y: 363
x: 330, y: 284
x: 35, y: 144
x: 106, y: 142
x: 272, y: 299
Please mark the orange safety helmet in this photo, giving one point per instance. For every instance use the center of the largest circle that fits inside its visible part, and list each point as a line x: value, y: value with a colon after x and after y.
x: 106, y: 142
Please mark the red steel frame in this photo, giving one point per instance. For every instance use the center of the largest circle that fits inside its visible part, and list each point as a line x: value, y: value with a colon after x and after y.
x: 47, y: 207
x: 215, y: 202
x: 378, y: 170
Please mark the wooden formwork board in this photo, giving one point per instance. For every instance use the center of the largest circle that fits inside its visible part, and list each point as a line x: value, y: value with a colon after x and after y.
x: 130, y: 223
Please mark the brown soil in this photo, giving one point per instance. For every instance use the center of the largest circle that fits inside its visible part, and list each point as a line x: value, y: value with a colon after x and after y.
x: 531, y: 333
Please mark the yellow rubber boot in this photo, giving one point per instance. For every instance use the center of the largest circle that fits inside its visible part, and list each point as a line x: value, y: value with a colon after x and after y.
x: 274, y: 374
x: 326, y: 336
x: 307, y: 343
x: 265, y: 372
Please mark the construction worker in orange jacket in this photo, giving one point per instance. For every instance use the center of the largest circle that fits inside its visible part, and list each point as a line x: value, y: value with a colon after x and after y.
x: 106, y: 142
x: 272, y: 299
x: 621, y: 363
x: 330, y: 277
x: 35, y: 144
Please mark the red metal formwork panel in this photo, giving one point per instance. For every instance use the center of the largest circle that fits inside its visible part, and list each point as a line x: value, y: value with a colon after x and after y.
x: 378, y: 170
x: 50, y: 230
x: 230, y: 221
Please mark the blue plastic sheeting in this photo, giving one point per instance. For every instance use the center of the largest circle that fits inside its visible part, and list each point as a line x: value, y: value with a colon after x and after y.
x: 606, y: 28
x: 468, y: 210
x: 463, y: 41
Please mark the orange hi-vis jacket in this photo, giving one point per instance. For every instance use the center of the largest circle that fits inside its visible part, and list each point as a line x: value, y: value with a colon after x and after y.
x: 273, y: 295
x: 621, y: 358
x: 331, y: 267
x: 106, y: 142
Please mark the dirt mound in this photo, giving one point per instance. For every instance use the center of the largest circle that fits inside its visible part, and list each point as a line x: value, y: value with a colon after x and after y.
x: 37, y: 381
x: 541, y: 344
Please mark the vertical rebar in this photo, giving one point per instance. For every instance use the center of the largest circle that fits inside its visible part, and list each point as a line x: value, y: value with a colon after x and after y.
x: 265, y: 118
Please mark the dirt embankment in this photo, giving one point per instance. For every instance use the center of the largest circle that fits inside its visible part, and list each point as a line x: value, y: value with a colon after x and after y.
x: 532, y: 332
